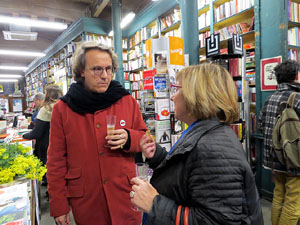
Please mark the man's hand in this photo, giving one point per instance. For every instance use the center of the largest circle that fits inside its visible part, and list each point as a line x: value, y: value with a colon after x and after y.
x: 63, y: 220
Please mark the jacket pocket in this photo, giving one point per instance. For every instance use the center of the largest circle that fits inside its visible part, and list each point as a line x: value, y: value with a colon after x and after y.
x: 74, y: 183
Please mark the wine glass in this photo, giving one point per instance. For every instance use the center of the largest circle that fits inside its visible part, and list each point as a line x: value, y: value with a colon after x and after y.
x: 110, y: 125
x: 141, y: 172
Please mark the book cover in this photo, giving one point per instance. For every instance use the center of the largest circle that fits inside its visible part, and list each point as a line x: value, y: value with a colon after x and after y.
x: 163, y: 131
x: 14, y: 204
x: 160, y: 62
x: 148, y: 79
x: 162, y: 109
x: 166, y: 146
x: 160, y: 87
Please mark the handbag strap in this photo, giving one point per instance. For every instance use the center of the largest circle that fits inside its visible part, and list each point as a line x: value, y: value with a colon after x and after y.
x: 186, y: 215
x: 178, y: 215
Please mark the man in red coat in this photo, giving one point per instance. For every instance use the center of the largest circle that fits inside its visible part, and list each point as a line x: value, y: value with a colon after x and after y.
x: 89, y: 169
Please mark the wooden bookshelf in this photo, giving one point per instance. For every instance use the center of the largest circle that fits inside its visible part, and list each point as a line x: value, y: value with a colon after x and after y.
x: 217, y: 3
x: 236, y: 18
x: 172, y: 27
x: 204, y: 9
x: 204, y: 29
x: 292, y: 24
x: 297, y: 1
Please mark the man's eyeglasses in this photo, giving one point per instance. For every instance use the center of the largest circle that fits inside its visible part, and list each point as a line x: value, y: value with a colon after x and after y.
x: 98, y: 70
x: 175, y: 87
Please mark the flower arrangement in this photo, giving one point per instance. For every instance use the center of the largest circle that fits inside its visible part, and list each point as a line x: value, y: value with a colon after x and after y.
x: 15, y: 161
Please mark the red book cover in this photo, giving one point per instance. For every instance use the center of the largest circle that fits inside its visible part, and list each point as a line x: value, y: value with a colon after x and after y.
x: 234, y: 67
x: 148, y: 79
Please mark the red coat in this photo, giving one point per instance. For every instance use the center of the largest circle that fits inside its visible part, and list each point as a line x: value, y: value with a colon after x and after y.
x: 82, y: 173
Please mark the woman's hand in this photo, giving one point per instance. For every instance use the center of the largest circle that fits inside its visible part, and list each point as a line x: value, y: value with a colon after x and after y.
x: 116, y: 139
x: 144, y: 194
x: 148, y: 146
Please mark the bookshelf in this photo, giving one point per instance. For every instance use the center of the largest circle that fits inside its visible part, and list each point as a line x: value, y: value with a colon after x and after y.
x: 228, y: 18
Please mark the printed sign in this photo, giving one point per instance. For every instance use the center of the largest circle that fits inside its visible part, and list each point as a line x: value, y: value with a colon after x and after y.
x: 268, y: 79
x: 176, y: 45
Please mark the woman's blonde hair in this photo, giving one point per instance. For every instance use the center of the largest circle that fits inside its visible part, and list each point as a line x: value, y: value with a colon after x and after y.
x: 79, y: 58
x: 209, y: 91
x: 53, y: 93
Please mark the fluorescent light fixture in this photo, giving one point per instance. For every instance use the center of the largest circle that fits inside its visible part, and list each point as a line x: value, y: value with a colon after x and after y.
x: 33, y: 23
x: 8, y: 80
x: 125, y: 21
x: 10, y: 76
x: 20, y: 35
x: 13, y: 68
x: 21, y: 53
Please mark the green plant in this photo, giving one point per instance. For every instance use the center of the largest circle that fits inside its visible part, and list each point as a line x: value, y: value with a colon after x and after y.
x: 15, y: 161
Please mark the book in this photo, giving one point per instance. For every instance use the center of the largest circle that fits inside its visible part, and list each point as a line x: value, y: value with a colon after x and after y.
x: 166, y: 146
x: 160, y: 86
x: 160, y: 62
x: 163, y: 131
x: 162, y: 109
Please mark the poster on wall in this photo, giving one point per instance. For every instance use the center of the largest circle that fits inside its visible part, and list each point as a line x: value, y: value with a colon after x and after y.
x: 17, y: 105
x: 267, y: 76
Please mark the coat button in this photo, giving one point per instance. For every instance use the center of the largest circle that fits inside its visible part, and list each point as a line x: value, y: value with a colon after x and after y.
x: 101, y: 153
x: 104, y: 181
x: 98, y: 125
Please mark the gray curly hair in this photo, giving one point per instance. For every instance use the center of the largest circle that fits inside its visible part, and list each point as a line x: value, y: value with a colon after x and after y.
x: 79, y: 58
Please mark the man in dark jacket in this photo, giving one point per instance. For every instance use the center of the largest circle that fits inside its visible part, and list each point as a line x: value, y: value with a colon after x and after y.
x: 286, y: 200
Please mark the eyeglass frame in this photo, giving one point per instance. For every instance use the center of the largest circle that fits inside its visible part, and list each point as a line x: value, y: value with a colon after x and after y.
x: 175, y: 86
x: 102, y: 70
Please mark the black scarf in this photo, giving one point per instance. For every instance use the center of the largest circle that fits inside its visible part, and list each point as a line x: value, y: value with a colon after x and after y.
x: 83, y: 101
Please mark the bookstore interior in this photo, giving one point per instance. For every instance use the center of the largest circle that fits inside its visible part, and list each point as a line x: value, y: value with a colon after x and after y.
x: 159, y: 39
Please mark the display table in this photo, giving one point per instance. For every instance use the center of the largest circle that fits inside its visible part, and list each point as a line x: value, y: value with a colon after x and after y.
x: 18, y: 202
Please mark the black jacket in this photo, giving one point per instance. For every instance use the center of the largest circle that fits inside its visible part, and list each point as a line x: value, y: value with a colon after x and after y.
x: 40, y: 132
x: 209, y: 173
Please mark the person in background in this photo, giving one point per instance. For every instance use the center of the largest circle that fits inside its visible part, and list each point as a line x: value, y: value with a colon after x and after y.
x: 89, y: 169
x: 37, y: 100
x: 41, y: 129
x: 286, y: 194
x: 206, y: 171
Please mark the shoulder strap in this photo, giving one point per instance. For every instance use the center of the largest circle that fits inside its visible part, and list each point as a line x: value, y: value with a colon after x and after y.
x: 291, y: 100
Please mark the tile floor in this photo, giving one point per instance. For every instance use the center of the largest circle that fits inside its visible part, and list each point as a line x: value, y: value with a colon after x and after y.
x: 47, y: 220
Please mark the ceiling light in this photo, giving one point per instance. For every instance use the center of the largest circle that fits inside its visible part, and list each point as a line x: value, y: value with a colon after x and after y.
x: 19, y: 35
x: 125, y: 21
x: 10, y: 76
x: 8, y: 80
x: 13, y: 68
x: 33, y: 23
x: 21, y: 53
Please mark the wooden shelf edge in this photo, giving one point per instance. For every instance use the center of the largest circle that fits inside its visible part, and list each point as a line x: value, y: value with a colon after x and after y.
x: 203, y: 10
x: 236, y: 18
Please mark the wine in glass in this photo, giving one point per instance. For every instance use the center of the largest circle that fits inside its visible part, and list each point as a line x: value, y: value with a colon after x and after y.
x: 110, y: 125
